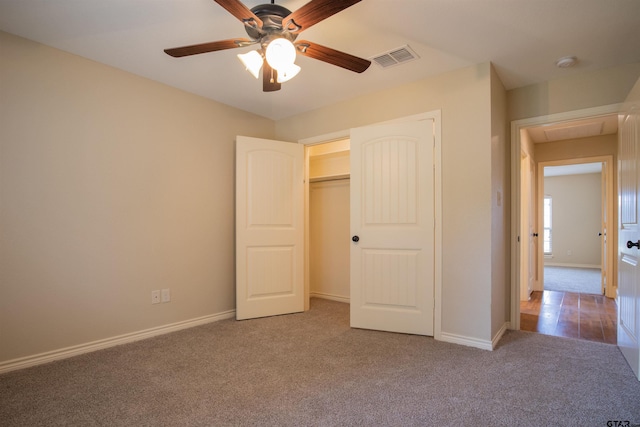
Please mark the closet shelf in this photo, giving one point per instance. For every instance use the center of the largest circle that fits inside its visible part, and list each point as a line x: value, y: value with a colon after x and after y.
x: 329, y: 177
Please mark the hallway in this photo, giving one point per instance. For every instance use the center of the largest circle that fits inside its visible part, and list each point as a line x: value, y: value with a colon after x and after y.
x: 567, y: 314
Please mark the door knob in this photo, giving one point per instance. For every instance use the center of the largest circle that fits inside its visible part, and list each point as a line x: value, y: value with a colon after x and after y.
x: 630, y: 244
x: 355, y: 239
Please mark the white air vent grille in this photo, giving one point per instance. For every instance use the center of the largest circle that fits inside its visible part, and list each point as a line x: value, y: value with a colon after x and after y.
x: 394, y: 57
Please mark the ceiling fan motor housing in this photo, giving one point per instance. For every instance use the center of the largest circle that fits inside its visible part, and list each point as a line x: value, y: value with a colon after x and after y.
x: 271, y: 16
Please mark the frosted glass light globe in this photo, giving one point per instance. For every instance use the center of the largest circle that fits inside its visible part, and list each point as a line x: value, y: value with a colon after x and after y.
x: 288, y: 73
x: 252, y: 62
x: 280, y: 53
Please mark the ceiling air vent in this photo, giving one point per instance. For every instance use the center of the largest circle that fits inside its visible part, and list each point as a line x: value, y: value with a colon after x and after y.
x: 395, y: 57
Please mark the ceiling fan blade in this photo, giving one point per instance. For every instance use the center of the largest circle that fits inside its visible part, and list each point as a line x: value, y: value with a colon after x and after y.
x: 195, y: 49
x: 332, y: 56
x: 314, y: 12
x: 242, y: 12
x: 269, y: 78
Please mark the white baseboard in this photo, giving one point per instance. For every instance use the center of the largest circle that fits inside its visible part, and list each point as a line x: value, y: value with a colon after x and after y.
x: 443, y: 336
x: 468, y: 341
x: 564, y: 264
x: 64, y: 353
x: 496, y: 338
x: 331, y: 297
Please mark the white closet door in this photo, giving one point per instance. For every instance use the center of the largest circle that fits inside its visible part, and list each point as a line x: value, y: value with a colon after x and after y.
x: 392, y: 227
x: 269, y: 228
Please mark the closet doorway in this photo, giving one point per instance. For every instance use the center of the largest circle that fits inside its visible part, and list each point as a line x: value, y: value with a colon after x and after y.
x: 328, y: 206
x: 394, y: 271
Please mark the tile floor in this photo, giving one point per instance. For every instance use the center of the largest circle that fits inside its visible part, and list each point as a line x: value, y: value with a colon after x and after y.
x: 566, y: 314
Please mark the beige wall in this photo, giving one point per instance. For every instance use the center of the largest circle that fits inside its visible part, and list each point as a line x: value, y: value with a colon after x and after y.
x: 329, y: 220
x: 329, y: 245
x: 585, y: 90
x: 576, y: 219
x: 603, y: 145
x: 464, y: 97
x: 111, y: 186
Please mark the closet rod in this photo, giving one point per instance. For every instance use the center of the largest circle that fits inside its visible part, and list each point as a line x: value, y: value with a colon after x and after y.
x: 329, y: 178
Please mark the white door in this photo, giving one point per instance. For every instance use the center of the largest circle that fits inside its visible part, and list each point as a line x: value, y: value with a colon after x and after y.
x: 629, y: 239
x: 269, y: 228
x: 533, y: 236
x: 604, y: 258
x: 527, y: 262
x: 393, y: 227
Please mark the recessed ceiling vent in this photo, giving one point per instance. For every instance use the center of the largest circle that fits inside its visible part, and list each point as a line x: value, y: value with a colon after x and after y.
x: 394, y: 57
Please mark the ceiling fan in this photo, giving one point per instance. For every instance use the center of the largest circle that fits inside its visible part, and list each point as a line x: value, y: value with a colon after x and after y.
x: 275, y: 29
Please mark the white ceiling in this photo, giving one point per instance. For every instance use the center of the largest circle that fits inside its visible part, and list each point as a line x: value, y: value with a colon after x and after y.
x: 584, y: 128
x: 523, y: 38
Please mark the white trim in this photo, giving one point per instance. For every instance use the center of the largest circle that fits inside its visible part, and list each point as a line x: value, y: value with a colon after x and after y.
x: 566, y: 116
x: 437, y: 159
x: 467, y: 341
x: 76, y: 350
x: 516, y: 127
x: 606, y: 175
x: 331, y: 297
x: 498, y: 336
x: 475, y: 342
x: 564, y: 264
x: 327, y: 137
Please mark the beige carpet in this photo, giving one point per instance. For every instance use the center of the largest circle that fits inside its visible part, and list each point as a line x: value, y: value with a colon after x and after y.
x: 311, y: 369
x: 573, y: 279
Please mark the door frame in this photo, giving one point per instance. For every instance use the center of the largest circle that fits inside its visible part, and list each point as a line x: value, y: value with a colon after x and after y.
x: 436, y: 116
x: 606, y: 174
x: 516, y: 127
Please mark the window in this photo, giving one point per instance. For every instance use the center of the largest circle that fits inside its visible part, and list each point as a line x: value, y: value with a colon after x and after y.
x: 547, y: 225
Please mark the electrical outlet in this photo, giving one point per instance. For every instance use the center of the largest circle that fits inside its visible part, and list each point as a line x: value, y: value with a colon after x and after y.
x: 166, y: 295
x: 155, y: 297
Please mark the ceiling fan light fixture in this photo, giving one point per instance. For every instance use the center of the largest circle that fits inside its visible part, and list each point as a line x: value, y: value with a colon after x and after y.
x: 280, y: 54
x: 274, y: 28
x: 252, y: 62
x: 288, y: 73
